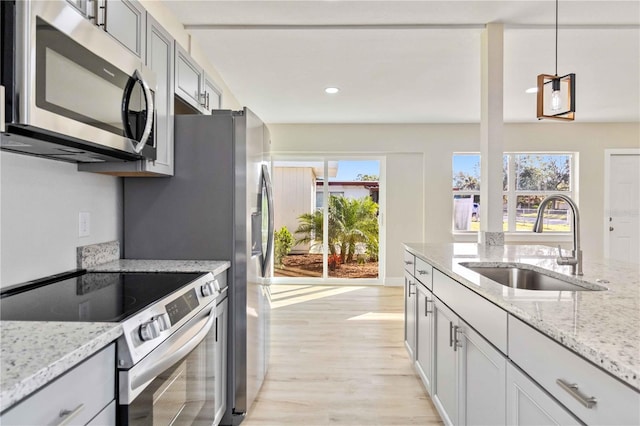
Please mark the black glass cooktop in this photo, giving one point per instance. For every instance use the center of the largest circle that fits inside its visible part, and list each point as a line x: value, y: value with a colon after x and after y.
x: 89, y: 296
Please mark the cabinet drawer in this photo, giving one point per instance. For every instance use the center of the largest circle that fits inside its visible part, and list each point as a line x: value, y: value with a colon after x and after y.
x: 85, y: 390
x: 548, y: 363
x: 424, y: 273
x: 488, y: 319
x: 409, y: 262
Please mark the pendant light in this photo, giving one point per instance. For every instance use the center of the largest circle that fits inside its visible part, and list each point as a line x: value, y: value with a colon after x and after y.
x: 556, y: 95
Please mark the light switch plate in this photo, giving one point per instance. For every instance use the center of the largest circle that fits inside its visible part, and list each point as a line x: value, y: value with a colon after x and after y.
x: 84, y: 224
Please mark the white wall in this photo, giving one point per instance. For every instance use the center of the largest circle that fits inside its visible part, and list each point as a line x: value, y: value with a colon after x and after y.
x: 39, y: 205
x: 436, y: 143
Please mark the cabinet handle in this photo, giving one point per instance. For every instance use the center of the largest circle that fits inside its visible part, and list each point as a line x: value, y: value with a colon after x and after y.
x: 203, y: 102
x: 408, y: 262
x: 67, y: 415
x: 410, y: 284
x: 450, y: 334
x: 426, y: 306
x: 423, y: 272
x: 572, y: 389
x: 456, y: 342
x: 104, y: 16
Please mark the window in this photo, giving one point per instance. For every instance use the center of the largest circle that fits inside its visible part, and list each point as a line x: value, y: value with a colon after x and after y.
x: 527, y: 179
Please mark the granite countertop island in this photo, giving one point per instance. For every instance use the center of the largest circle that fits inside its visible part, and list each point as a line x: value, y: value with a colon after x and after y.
x: 601, y: 326
x: 34, y: 353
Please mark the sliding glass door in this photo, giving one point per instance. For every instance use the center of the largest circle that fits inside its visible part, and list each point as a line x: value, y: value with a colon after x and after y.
x: 327, y: 219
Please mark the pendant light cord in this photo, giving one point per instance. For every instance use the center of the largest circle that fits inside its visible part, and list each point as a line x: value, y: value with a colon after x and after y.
x: 556, y: 38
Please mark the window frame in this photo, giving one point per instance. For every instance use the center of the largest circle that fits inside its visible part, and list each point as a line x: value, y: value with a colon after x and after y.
x: 512, y: 193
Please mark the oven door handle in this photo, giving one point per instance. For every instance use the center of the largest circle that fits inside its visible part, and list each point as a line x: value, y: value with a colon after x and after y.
x: 158, y: 361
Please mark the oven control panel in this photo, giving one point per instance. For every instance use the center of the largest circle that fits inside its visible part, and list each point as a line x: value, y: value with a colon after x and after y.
x: 149, y: 328
x: 180, y: 307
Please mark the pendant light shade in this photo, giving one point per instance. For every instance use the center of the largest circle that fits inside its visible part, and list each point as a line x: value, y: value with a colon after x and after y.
x: 556, y: 95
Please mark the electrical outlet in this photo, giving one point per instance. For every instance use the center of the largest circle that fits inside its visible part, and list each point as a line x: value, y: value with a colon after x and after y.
x: 84, y: 224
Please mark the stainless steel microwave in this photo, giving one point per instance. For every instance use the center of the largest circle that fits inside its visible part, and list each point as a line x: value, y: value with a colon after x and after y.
x: 71, y: 92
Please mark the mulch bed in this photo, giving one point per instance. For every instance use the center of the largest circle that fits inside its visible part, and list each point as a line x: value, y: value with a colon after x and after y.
x: 310, y: 265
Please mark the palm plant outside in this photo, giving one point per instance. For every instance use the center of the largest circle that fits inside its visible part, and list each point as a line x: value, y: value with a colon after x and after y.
x: 351, y: 221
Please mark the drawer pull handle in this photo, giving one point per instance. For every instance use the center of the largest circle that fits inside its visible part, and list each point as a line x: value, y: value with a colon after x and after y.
x: 572, y: 389
x: 423, y: 272
x: 67, y: 415
x: 410, y: 284
x: 408, y: 262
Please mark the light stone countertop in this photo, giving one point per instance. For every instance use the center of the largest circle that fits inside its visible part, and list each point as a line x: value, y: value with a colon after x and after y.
x: 601, y: 326
x: 140, y: 265
x: 34, y: 353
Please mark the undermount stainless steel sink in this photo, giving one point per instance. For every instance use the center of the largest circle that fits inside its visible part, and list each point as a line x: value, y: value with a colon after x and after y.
x: 525, y: 278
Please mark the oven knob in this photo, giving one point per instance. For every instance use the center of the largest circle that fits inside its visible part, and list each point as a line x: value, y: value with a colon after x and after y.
x: 216, y: 284
x: 149, y: 330
x: 163, y: 322
x: 207, y: 289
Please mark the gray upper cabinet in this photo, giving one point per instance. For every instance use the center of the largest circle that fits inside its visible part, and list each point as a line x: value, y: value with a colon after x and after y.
x: 124, y: 20
x: 213, y: 95
x: 159, y: 58
x: 193, y: 85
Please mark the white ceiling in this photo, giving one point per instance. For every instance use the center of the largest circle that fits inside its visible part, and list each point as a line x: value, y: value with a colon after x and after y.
x: 414, y: 61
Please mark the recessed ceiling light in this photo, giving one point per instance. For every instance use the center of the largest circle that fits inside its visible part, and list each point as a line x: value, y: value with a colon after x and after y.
x: 332, y: 90
x: 532, y: 90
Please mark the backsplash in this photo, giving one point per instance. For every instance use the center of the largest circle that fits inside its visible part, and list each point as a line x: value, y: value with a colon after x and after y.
x: 96, y: 254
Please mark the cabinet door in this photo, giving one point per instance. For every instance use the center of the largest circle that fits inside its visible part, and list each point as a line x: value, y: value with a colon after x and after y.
x: 424, y: 336
x: 445, y: 377
x: 482, y: 379
x: 529, y: 405
x: 222, y: 320
x: 189, y: 79
x: 124, y: 20
x: 80, y: 5
x: 410, y: 315
x: 213, y: 95
x: 160, y: 57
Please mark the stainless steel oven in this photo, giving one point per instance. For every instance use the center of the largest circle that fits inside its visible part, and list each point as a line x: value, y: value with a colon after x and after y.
x: 175, y: 383
x: 72, y: 93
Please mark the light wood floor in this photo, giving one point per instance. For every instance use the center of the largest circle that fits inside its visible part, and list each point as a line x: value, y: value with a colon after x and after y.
x: 338, y: 358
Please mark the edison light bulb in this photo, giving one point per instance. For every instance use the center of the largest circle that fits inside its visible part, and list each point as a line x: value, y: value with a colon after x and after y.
x: 556, y: 100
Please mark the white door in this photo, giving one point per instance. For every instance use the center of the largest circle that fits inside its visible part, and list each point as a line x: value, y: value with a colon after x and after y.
x: 624, y: 207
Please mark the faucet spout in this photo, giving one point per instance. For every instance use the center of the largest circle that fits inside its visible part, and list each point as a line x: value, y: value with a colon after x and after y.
x: 576, y: 259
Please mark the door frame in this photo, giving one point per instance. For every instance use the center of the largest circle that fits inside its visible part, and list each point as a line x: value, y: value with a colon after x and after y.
x: 608, y: 153
x: 346, y: 156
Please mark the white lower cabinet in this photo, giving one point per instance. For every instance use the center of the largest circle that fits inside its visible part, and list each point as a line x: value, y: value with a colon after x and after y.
x: 481, y: 379
x: 470, y: 374
x: 424, y: 333
x: 445, y: 383
x: 76, y: 398
x: 410, y: 315
x: 529, y: 405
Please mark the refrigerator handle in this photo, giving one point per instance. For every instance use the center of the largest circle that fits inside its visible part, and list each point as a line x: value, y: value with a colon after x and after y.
x: 266, y: 181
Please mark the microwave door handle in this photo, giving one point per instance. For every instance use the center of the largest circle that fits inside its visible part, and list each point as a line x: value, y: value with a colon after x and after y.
x: 148, y: 126
x: 137, y: 77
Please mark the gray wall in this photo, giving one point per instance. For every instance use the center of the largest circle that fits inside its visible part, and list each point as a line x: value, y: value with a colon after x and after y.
x: 39, y: 205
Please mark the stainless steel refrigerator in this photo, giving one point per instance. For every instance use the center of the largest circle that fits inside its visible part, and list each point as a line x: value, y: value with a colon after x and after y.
x: 217, y: 206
